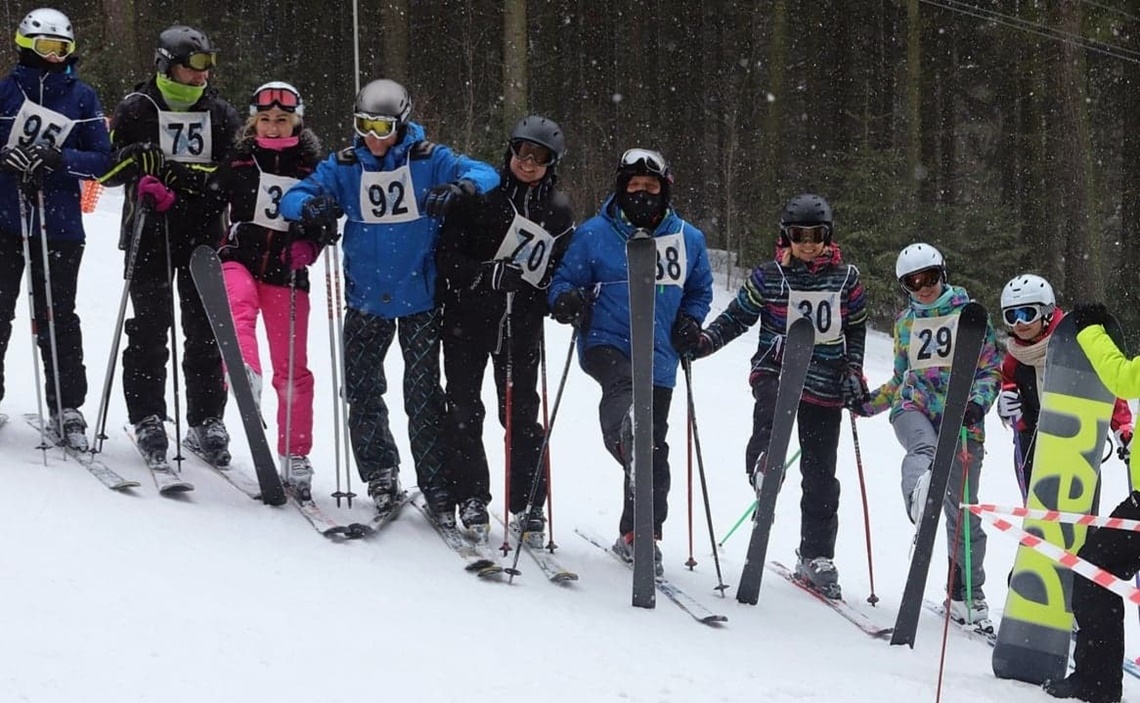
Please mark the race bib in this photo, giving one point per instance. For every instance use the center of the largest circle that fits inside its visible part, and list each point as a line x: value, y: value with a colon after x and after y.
x: 267, y: 211
x: 528, y: 245
x: 822, y: 309
x: 388, y: 197
x: 672, y: 261
x: 186, y: 136
x: 35, y: 124
x: 932, y: 341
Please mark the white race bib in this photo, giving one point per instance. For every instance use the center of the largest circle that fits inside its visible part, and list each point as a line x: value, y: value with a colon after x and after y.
x: 672, y: 260
x: 267, y: 211
x: 932, y: 341
x: 35, y: 124
x: 186, y: 136
x: 388, y: 197
x: 822, y: 309
x: 528, y: 245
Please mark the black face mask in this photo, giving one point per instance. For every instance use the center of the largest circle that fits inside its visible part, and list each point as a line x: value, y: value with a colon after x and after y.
x: 641, y: 208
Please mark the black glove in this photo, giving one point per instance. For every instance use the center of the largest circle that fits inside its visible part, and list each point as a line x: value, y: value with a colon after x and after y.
x: 441, y: 199
x: 23, y: 160
x: 855, y: 391
x: 321, y: 210
x: 182, y: 179
x: 502, y: 275
x: 1087, y: 314
x: 322, y: 234
x: 147, y: 157
x: 571, y: 308
x: 974, y: 415
x: 686, y: 336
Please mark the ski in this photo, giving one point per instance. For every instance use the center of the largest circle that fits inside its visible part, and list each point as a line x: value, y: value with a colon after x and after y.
x: 382, y: 520
x: 3, y: 419
x: 165, y: 478
x: 321, y: 522
x: 480, y: 562
x: 206, y: 270
x: 968, y: 332
x: 798, y: 348
x: 853, y: 615
x: 231, y: 472
x: 547, y: 562
x: 975, y: 631
x: 96, y: 467
x: 641, y: 263
x: 694, y: 608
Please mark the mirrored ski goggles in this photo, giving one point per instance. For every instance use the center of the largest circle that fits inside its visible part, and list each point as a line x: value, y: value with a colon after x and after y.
x: 539, y: 155
x: 1025, y: 315
x: 200, y: 61
x: 650, y: 160
x: 378, y: 126
x: 47, y: 46
x: 914, y: 282
x: 282, y: 98
x: 815, y: 234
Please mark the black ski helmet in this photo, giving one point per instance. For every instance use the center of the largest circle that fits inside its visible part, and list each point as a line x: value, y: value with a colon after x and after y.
x: 644, y: 162
x: 177, y: 43
x: 807, y: 210
x: 385, y: 98
x: 543, y: 132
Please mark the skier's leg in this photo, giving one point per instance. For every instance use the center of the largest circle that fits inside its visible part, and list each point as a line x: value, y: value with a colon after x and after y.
x: 465, y: 472
x: 526, y: 432
x: 366, y: 341
x: 275, y: 309
x: 763, y: 413
x: 662, y: 399
x: 245, y: 303
x: 11, y: 282
x: 147, y: 350
x: 975, y: 533
x: 918, y: 438
x: 423, y: 395
x: 613, y: 372
x: 819, y: 506
x: 203, y: 374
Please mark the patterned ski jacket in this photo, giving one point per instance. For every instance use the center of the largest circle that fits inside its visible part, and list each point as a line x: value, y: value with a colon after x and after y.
x: 922, y: 361
x: 828, y: 292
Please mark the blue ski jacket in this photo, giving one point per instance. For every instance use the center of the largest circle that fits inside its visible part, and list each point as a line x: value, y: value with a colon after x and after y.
x: 389, y: 268
x: 596, y: 263
x: 86, y: 150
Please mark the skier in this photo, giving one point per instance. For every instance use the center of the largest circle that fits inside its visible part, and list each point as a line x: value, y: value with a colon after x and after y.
x: 170, y: 134
x: 1029, y: 309
x: 496, y: 255
x: 590, y: 290
x: 394, y: 186
x: 806, y: 277
x: 54, y: 135
x: 265, y: 262
x: 924, y: 337
x: 1097, y: 676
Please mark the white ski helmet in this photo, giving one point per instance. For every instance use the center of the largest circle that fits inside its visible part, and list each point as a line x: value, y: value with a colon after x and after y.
x: 277, y: 94
x: 919, y: 257
x: 1029, y: 289
x: 46, y: 22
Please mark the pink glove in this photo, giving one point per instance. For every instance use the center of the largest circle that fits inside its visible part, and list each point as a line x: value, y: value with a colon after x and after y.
x: 300, y: 254
x: 159, y: 194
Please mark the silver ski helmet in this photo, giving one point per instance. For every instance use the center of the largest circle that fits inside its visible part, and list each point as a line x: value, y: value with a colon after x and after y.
x: 384, y: 98
x: 46, y: 31
x: 184, y: 45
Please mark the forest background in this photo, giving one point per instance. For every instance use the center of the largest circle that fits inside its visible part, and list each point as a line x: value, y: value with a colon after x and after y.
x: 1006, y: 133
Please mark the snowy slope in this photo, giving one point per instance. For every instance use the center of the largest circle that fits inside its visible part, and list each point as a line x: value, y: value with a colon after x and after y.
x: 215, y: 597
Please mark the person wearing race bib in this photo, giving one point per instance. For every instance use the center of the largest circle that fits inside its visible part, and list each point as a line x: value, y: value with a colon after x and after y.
x: 924, y: 335
x: 590, y: 290
x: 54, y: 135
x: 496, y: 256
x: 169, y: 134
x: 394, y: 186
x: 807, y: 277
x: 265, y: 261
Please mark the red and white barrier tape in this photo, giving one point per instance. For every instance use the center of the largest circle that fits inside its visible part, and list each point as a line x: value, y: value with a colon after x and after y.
x: 1115, y: 523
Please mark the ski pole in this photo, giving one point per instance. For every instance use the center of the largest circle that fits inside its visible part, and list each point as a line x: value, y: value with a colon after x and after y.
x: 720, y: 587
x: 343, y: 399
x: 872, y: 599
x: 25, y: 239
x: 286, y: 461
x: 752, y: 506
x: 335, y: 375
x: 958, y: 532
x: 966, y: 551
x: 174, y: 344
x: 542, y: 452
x: 691, y: 561
x: 508, y: 425
x: 49, y: 312
x: 550, y: 545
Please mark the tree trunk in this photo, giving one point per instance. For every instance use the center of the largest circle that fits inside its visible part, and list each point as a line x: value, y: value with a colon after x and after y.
x: 514, y: 60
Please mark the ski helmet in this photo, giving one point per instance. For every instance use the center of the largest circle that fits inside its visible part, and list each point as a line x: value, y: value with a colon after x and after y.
x: 45, y: 22
x: 385, y: 98
x: 806, y: 210
x: 1029, y: 289
x: 178, y: 43
x: 543, y: 132
x: 919, y: 257
x: 277, y: 94
x: 644, y: 162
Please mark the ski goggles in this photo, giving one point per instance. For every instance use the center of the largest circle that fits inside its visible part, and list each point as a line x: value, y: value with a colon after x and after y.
x: 269, y: 98
x: 199, y: 60
x: 647, y: 159
x: 814, y: 234
x: 378, y: 126
x: 1024, y: 314
x: 47, y: 46
x: 537, y: 154
x: 914, y: 282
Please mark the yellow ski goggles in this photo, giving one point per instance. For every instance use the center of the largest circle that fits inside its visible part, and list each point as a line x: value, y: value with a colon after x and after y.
x: 199, y: 61
x: 378, y: 126
x: 46, y: 46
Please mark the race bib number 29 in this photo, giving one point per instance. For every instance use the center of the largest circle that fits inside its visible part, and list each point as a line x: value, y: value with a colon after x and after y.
x: 932, y: 341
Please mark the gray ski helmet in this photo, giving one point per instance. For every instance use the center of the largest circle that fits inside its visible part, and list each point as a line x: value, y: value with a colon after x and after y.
x: 46, y: 22
x: 177, y: 43
x: 806, y: 210
x: 543, y: 132
x: 384, y: 98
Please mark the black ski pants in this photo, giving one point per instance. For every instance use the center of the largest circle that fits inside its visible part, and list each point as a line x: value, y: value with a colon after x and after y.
x: 464, y: 363
x: 614, y: 373
x: 64, y: 258
x: 1099, y: 611
x: 367, y: 338
x: 819, y: 445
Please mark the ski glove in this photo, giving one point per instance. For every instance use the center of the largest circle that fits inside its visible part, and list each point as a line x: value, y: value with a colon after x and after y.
x: 1009, y: 407
x: 571, y: 308
x: 442, y: 198
x: 147, y: 157
x: 321, y: 210
x: 299, y: 254
x: 1087, y: 314
x: 686, y: 335
x: 974, y: 415
x: 502, y: 275
x: 1123, y: 437
x: 854, y: 386
x: 152, y: 189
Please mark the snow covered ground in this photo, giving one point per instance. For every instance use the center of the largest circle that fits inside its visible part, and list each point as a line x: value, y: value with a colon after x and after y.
x: 137, y: 597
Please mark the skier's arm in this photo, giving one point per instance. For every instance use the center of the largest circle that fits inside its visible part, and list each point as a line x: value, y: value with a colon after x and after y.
x: 741, y: 313
x: 987, y: 378
x: 322, y: 181
x: 854, y: 315
x: 573, y: 271
x: 1121, y: 415
x: 91, y: 155
x: 697, y: 298
x: 1120, y: 375
x: 449, y: 167
x: 883, y: 397
x: 454, y: 265
x: 125, y: 130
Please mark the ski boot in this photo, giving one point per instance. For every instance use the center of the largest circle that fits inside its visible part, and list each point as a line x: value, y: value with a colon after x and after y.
x: 820, y: 574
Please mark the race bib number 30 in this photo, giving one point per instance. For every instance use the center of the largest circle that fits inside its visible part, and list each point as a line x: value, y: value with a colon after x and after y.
x: 528, y: 245
x: 267, y: 211
x: 932, y: 341
x: 388, y: 197
x: 672, y: 263
x: 822, y: 309
x: 35, y: 124
x: 186, y: 136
